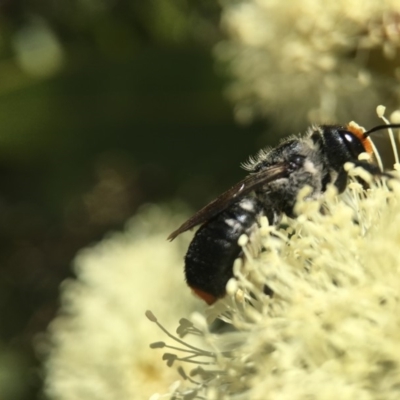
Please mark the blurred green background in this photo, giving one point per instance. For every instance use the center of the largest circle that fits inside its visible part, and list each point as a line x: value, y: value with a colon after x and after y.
x: 104, y: 105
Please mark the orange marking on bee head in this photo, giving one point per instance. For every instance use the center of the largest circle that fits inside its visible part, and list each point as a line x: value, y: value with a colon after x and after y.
x: 207, y: 297
x: 358, y: 132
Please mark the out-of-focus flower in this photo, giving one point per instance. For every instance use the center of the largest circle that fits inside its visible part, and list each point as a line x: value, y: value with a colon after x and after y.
x: 99, y: 344
x: 331, y: 328
x: 332, y: 61
x: 37, y: 49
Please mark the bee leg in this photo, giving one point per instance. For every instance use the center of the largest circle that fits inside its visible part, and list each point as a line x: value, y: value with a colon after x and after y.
x: 374, y: 170
x: 341, y: 181
x: 371, y: 168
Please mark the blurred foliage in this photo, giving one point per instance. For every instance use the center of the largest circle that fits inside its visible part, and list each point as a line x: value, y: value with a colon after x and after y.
x: 104, y: 105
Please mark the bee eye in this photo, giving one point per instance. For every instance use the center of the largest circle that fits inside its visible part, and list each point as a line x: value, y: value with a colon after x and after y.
x: 353, y: 143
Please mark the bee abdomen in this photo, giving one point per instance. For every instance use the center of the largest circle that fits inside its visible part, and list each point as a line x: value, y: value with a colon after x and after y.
x: 209, y: 260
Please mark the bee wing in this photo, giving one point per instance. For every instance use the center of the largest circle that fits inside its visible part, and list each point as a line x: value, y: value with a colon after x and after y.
x: 232, y: 195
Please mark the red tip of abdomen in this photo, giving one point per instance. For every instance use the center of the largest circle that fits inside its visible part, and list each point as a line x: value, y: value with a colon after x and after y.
x: 207, y: 297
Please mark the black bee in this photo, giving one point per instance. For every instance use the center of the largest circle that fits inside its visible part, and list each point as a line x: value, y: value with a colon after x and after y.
x: 276, y: 177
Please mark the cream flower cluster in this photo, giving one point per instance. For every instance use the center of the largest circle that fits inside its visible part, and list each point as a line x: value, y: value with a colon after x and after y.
x: 99, y: 343
x: 331, y: 328
x: 330, y: 60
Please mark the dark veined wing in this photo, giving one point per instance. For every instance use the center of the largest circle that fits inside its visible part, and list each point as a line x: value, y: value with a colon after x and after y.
x: 232, y: 195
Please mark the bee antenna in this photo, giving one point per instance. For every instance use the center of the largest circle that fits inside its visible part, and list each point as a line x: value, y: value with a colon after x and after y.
x: 380, y: 128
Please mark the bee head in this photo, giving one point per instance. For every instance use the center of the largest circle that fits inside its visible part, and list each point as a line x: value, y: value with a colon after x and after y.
x: 346, y: 143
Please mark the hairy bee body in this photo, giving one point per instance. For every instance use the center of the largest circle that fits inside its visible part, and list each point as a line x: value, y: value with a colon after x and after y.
x: 276, y: 177
x: 216, y: 244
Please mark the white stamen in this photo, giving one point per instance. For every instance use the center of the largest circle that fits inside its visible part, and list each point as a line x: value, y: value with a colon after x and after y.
x: 232, y: 286
x: 380, y: 110
x: 243, y: 240
x: 391, y: 136
x: 364, y: 157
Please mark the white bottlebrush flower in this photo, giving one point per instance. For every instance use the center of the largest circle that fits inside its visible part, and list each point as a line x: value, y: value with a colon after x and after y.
x: 331, y: 328
x: 99, y: 344
x: 332, y: 61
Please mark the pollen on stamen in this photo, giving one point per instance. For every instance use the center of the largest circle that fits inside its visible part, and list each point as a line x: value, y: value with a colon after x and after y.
x: 240, y: 295
x: 243, y: 240
x: 232, y: 287
x: 348, y: 166
x: 264, y: 221
x: 364, y: 157
x: 395, y: 117
x: 380, y: 110
x: 237, y: 266
x: 265, y: 228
